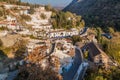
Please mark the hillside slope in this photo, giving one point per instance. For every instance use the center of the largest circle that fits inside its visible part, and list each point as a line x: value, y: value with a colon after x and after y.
x: 103, y: 13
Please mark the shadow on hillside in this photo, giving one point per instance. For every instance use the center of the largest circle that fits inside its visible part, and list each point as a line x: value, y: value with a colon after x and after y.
x: 2, y: 55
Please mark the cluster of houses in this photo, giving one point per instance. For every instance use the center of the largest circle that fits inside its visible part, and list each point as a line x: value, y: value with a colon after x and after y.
x: 62, y: 33
x: 63, y: 51
x: 32, y: 44
x: 58, y: 33
x: 22, y: 9
x: 40, y: 27
x: 11, y: 21
x: 37, y: 22
x: 97, y: 55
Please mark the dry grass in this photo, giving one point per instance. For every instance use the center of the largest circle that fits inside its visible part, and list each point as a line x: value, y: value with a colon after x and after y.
x: 116, y: 37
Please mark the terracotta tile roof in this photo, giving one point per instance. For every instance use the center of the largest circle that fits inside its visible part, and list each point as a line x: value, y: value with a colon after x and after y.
x: 4, y: 22
x: 68, y: 40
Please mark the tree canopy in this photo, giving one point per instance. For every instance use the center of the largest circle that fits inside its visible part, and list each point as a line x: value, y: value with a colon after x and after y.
x: 66, y: 20
x: 35, y: 72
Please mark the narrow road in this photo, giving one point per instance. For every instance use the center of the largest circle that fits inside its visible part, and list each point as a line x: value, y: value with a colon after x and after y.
x: 69, y: 75
x: 84, y: 31
x: 81, y: 76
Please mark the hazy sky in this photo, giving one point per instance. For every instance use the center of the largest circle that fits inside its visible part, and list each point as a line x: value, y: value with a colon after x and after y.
x: 59, y: 3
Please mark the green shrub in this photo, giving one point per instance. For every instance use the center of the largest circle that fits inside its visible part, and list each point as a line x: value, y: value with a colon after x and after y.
x: 25, y: 17
x: 43, y: 16
x: 1, y: 43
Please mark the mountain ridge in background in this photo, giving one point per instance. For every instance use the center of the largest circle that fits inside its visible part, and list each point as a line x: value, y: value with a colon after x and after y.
x: 103, y: 13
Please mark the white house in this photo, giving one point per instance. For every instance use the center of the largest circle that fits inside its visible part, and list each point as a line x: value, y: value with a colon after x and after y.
x: 23, y: 12
x: 3, y: 24
x: 41, y: 8
x: 25, y: 32
x: 12, y: 23
x: 42, y: 27
x: 39, y: 34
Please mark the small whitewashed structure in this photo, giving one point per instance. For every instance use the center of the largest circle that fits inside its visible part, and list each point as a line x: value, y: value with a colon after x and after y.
x: 3, y: 24
x: 30, y: 47
x: 25, y: 32
x: 12, y: 23
x: 42, y: 27
x: 33, y: 44
x: 9, y: 6
x: 24, y: 11
x: 39, y: 34
x: 3, y: 33
x: 91, y: 37
x: 41, y: 8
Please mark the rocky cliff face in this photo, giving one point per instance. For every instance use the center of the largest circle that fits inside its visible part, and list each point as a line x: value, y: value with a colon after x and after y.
x: 103, y: 13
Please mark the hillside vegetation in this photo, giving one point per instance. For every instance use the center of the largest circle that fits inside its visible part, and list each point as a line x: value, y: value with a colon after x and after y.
x: 66, y: 20
x: 103, y: 13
